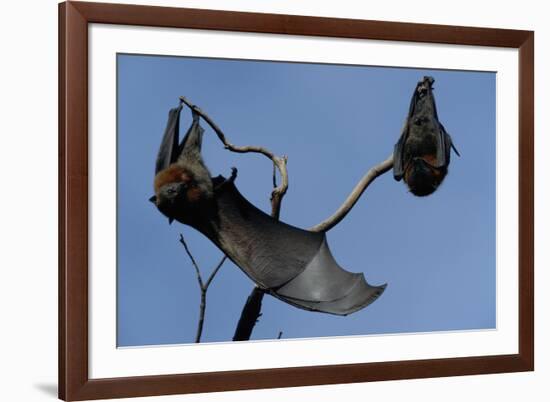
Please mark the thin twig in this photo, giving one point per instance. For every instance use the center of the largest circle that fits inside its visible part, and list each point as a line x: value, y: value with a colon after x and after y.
x: 195, y: 265
x: 354, y: 196
x: 214, y: 272
x: 202, y: 286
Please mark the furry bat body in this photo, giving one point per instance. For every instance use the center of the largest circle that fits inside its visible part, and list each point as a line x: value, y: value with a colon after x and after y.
x: 423, y: 152
x: 292, y: 264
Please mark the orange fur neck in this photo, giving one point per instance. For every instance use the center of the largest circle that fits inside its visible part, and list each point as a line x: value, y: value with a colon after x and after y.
x: 172, y: 174
x: 431, y: 160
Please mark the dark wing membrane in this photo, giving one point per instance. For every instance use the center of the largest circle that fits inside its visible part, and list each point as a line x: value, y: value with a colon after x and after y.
x: 325, y: 286
x: 322, y: 279
x: 449, y: 143
x: 444, y: 145
x: 292, y: 264
x: 398, y: 168
x: 412, y: 105
x: 168, y: 150
x: 192, y: 141
x: 442, y: 156
x: 360, y: 297
x: 270, y: 252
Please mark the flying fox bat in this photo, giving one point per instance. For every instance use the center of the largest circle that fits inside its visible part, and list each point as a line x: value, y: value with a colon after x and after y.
x: 292, y: 264
x: 423, y: 152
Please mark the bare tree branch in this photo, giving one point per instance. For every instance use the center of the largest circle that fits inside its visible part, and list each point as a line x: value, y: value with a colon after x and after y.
x: 278, y: 161
x: 202, y: 310
x: 252, y: 310
x: 279, y: 191
x: 197, y: 269
x: 202, y: 286
x: 214, y: 272
x: 354, y: 196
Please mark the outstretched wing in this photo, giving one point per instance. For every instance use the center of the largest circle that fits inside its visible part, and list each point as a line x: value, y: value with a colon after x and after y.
x: 292, y: 264
x: 327, y: 287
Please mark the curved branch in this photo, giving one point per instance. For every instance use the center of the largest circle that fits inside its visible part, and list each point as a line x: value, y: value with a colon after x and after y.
x: 278, y: 161
x: 354, y: 196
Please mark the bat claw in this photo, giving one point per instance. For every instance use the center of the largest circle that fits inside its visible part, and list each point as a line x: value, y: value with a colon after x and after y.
x: 233, y: 174
x: 231, y: 179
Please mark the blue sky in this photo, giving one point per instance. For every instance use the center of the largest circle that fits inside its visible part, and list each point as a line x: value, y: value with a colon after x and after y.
x: 437, y: 253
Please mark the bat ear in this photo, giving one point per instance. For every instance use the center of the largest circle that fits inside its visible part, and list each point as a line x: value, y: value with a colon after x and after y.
x: 170, y: 220
x: 153, y: 199
x: 168, y: 150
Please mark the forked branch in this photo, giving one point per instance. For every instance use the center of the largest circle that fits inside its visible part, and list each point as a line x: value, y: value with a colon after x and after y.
x: 203, y: 286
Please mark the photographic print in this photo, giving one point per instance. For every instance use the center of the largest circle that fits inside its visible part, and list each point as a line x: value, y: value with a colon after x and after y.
x: 252, y: 200
x: 261, y: 200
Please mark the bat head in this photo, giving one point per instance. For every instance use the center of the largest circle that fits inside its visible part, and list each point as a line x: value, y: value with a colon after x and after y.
x: 182, y: 181
x: 177, y: 192
x: 422, y: 177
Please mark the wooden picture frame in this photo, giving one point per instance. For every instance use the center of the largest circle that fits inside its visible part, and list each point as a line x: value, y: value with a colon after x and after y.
x: 74, y: 381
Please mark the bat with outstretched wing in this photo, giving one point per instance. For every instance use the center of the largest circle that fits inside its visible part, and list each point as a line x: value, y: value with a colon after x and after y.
x: 292, y: 264
x: 423, y: 152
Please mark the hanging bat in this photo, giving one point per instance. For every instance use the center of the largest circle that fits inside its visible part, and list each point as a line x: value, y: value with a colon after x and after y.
x: 292, y: 264
x: 423, y: 152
